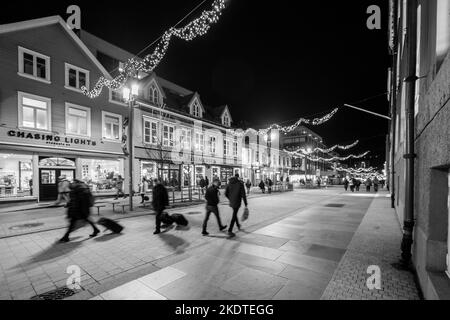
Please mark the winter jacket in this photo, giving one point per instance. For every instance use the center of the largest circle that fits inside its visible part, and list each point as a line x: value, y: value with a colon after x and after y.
x: 79, y: 206
x: 212, y: 196
x: 160, y: 197
x: 235, y: 192
x: 262, y: 186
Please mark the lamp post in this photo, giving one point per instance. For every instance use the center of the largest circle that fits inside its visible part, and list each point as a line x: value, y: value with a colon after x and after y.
x: 130, y: 94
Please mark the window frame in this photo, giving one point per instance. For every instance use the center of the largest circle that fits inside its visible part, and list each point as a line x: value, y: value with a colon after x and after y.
x: 88, y: 120
x: 110, y: 114
x: 196, y: 109
x: 21, y: 71
x: 151, y: 121
x: 185, y: 145
x: 199, y: 147
x: 48, y: 101
x: 111, y: 100
x: 235, y: 150
x: 67, y: 67
x: 212, y: 151
x: 151, y: 94
x: 171, y: 142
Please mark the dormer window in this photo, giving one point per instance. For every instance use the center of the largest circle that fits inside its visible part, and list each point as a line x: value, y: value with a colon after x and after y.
x: 154, y: 94
x: 196, y: 109
x: 226, y: 120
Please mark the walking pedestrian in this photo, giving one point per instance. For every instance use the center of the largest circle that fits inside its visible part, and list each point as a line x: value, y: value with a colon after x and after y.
x: 248, y: 184
x: 357, y: 184
x: 235, y: 192
x: 79, y: 208
x: 206, y: 182
x: 346, y: 183
x: 262, y: 186
x: 119, y: 188
x: 212, y: 200
x: 63, y: 190
x: 159, y: 201
x: 368, y: 184
x: 144, y: 189
x: 352, y: 184
x: 202, y: 184
x: 375, y: 184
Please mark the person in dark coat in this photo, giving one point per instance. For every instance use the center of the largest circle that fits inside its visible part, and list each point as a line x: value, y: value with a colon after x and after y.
x: 235, y: 193
x: 160, y: 201
x: 206, y: 182
x: 262, y: 186
x: 212, y: 200
x: 270, y: 184
x: 357, y: 184
x: 346, y: 184
x: 79, y: 208
x: 248, y: 184
x: 202, y: 185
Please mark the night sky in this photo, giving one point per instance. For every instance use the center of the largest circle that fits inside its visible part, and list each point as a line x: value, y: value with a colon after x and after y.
x: 270, y: 61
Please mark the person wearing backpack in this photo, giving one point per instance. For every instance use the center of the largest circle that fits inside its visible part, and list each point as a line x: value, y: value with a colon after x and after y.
x: 79, y: 208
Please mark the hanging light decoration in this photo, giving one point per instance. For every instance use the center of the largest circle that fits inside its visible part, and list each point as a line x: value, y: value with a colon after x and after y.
x: 197, y: 27
x: 347, y: 147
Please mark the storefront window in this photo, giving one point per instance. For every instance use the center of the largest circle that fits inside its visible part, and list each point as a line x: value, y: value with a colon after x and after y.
x: 16, y: 175
x: 226, y: 174
x: 56, y: 162
x: 99, y: 174
x: 215, y: 173
x: 149, y: 170
x: 199, y: 174
x: 188, y: 175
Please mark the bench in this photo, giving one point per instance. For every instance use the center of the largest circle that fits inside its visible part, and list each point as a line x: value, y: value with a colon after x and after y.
x: 123, y: 207
x: 114, y: 203
x: 98, y: 206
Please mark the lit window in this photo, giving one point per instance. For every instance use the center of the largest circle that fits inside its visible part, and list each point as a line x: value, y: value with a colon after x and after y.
x: 185, y: 139
x: 78, y: 120
x: 168, y: 136
x: 212, y: 145
x: 226, y: 148
x: 34, y: 111
x: 150, y: 132
x: 34, y: 65
x: 112, y: 126
x: 76, y: 77
x: 199, y: 142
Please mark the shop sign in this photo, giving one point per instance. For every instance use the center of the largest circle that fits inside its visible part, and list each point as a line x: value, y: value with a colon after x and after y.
x: 51, y: 139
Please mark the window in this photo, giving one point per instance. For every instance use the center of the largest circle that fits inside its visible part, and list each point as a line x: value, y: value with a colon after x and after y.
x: 226, y: 120
x: 150, y: 132
x: 235, y: 149
x: 153, y: 94
x: 185, y: 139
x: 112, y: 126
x: 76, y: 77
x: 78, y: 120
x: 212, y: 145
x: 34, y: 111
x: 199, y: 141
x: 196, y: 109
x: 226, y: 148
x: 168, y: 135
x: 34, y: 65
x: 116, y: 96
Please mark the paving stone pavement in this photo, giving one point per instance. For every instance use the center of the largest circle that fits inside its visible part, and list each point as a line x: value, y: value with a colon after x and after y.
x: 375, y: 243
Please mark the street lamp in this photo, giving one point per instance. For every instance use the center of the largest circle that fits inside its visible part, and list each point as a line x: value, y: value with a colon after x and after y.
x: 129, y: 95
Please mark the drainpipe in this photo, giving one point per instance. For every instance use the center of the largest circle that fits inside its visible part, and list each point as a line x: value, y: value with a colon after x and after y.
x: 410, y: 84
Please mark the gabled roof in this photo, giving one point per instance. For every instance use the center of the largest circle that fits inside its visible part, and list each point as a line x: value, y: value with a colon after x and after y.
x: 42, y: 22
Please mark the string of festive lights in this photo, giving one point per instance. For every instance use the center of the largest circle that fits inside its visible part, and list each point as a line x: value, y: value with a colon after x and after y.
x: 304, y: 151
x: 333, y: 159
x: 197, y: 27
x: 352, y: 170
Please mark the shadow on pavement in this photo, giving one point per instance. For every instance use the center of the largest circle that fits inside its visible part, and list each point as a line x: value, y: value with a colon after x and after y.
x: 176, y: 243
x: 107, y: 237
x: 56, y: 250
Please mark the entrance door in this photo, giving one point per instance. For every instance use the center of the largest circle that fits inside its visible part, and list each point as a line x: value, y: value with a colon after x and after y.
x: 48, y: 182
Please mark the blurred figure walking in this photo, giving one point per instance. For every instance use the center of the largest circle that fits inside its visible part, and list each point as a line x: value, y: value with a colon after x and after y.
x: 160, y: 201
x: 212, y: 201
x: 235, y: 193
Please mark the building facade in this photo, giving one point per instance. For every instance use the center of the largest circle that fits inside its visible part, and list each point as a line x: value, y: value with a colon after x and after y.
x: 431, y: 133
x: 48, y: 127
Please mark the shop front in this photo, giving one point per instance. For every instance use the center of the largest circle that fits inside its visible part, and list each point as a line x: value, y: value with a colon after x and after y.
x: 51, y: 170
x: 16, y: 175
x: 100, y: 174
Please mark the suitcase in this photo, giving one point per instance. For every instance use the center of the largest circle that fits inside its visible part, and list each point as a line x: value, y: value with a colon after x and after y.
x: 179, y: 219
x: 166, y: 219
x: 110, y: 225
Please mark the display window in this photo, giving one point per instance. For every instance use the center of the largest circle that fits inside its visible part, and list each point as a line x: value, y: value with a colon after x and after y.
x: 199, y: 174
x: 100, y: 174
x: 16, y: 175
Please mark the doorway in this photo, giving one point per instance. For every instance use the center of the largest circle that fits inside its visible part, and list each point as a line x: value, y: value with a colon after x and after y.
x: 48, y: 182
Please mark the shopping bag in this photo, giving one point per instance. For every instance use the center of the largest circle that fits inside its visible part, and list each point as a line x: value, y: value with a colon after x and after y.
x: 245, y: 214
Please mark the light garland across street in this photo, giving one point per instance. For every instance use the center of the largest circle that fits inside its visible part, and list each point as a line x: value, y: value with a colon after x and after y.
x: 197, y: 27
x: 327, y: 150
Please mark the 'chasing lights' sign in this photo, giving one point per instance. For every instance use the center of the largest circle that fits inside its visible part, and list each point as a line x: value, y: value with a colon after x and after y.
x: 51, y: 139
